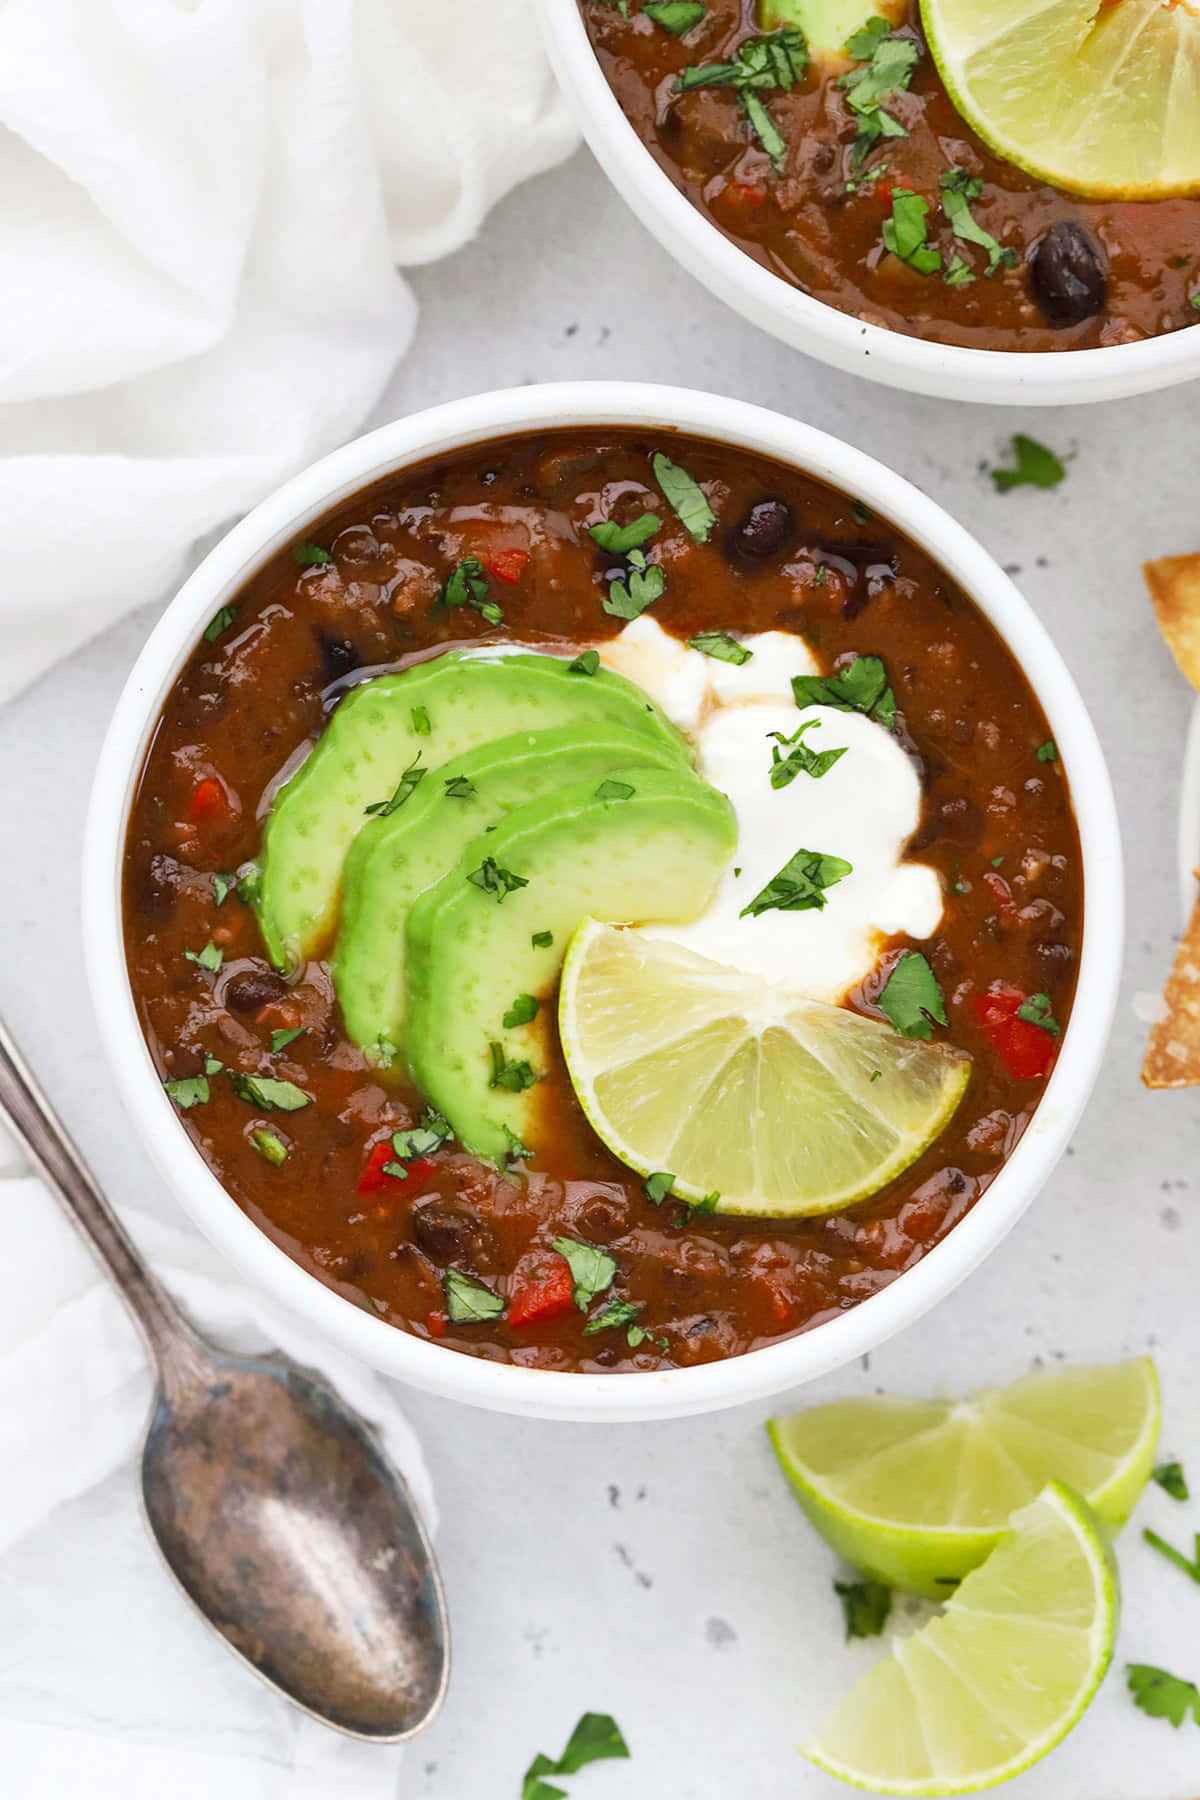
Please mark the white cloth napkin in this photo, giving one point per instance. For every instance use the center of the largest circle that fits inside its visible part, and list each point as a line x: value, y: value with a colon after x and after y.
x: 202, y: 206
x: 104, y: 1670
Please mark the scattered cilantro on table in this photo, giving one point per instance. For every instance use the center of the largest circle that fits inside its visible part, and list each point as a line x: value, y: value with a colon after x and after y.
x: 1172, y: 1480
x: 1163, y: 1696
x: 865, y: 1606
x: 1189, y: 1568
x: 596, y: 1738
x: 1034, y: 466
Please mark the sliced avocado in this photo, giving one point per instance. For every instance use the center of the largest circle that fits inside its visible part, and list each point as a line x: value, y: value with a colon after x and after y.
x: 393, y: 860
x: 415, y: 720
x: 656, y: 853
x: 828, y: 24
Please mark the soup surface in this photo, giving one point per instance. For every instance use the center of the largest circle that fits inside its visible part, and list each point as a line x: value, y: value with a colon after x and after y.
x: 308, y: 1131
x: 1052, y: 273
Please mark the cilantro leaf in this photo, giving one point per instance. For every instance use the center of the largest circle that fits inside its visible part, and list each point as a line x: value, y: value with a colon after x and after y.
x: 904, y: 232
x: 685, y: 496
x: 310, y: 555
x: 513, y: 1077
x: 592, y: 1271
x: 586, y: 663
x: 617, y: 1314
x: 467, y: 585
x: 269, y: 1145
x: 1036, y: 1011
x: 911, y: 997
x: 468, y: 1302
x: 1163, y: 1696
x: 523, y: 1009
x: 541, y: 940
x: 888, y: 64
x: 1190, y: 1569
x: 959, y: 187
x: 406, y: 787
x: 384, y: 1053
x: 1172, y: 1480
x: 656, y: 1187
x: 596, y: 1738
x: 220, y: 621
x: 494, y: 879
x: 1035, y: 466
x: 189, y: 1090
x: 249, y: 887
x: 629, y: 600
x: 861, y: 686
x: 720, y: 646
x: 223, y: 885
x: 800, y: 759
x: 615, y: 790
x: 210, y: 958
x: 619, y: 540
x: 420, y: 721
x: 266, y: 1091
x: 675, y: 16
x: 459, y: 788
x: 423, y: 1138
x: 800, y: 884
x: 1047, y: 752
x: 865, y: 1607
x: 776, y: 60
x: 281, y: 1039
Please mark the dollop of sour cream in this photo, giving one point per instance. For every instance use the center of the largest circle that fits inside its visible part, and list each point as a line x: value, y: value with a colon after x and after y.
x: 863, y: 810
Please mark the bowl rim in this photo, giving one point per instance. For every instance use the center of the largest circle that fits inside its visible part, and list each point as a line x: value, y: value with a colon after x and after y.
x: 919, y: 365
x: 505, y: 1387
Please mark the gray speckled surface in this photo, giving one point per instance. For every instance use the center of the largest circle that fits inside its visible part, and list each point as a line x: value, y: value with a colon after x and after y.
x: 663, y: 1574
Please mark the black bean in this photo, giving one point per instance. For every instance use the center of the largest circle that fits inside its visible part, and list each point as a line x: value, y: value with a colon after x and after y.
x: 156, y: 892
x: 1067, y: 274
x: 443, y: 1231
x: 338, y: 656
x: 249, y: 990
x: 766, y: 530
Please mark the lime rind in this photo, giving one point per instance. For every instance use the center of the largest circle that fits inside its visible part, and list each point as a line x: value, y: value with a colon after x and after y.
x: 987, y: 1689
x: 1125, y: 81
x: 783, y: 1106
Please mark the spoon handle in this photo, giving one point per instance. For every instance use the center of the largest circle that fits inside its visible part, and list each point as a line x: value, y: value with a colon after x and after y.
x: 29, y: 1115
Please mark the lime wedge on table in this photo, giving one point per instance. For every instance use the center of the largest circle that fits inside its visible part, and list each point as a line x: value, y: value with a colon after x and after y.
x: 918, y: 1492
x: 989, y: 1687
x: 1099, y: 98
x: 782, y: 1106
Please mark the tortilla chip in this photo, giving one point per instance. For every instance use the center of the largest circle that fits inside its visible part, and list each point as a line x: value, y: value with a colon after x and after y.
x: 1174, y: 583
x: 1173, y: 1053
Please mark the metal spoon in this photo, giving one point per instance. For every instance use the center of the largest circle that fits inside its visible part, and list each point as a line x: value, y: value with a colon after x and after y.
x: 272, y: 1503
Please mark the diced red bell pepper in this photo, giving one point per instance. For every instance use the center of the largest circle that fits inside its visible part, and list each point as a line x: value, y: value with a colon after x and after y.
x: 507, y: 565
x: 435, y: 1324
x: 1026, y: 1051
x: 375, y: 1177
x: 544, y: 1289
x: 209, y: 801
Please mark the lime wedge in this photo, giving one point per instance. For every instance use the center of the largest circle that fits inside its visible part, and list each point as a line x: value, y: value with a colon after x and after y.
x: 918, y: 1492
x: 989, y: 1687
x: 1124, y: 80
x: 780, y: 1105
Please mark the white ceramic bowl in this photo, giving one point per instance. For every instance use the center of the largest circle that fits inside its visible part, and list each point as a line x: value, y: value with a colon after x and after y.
x: 285, y: 517
x: 952, y: 372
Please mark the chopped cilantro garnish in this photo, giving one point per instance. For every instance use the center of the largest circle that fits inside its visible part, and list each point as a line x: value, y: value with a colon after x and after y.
x: 859, y: 513
x: 862, y: 686
x: 223, y: 886
x: 800, y: 884
x: 189, y: 1090
x: 656, y: 1187
x: 675, y: 16
x: 542, y: 940
x: 523, y: 1009
x: 592, y: 1270
x: 270, y: 1145
x: 596, y: 1738
x: 310, y: 555
x: 1035, y: 466
x: 958, y: 272
x: 517, y: 1151
x: 586, y: 663
x: 468, y: 1302
x: 1047, y: 752
x: 264, y: 1090
x: 904, y: 232
x: 1172, y: 1480
x: 422, y: 1139
x: 513, y: 1077
x: 1036, y: 1011
x: 281, y: 1039
x: 467, y: 585
x: 775, y: 61
x: 800, y: 760
x: 209, y: 958
x: 615, y: 790
x: 887, y: 68
x: 619, y: 540
x: 616, y: 1315
x: 959, y: 187
x: 865, y: 1606
x: 1161, y: 1695
x: 213, y: 1065
x: 459, y: 788
x: 420, y: 721
x: 384, y: 1053
x: 629, y: 599
x: 219, y: 622
x: 406, y: 787
x: 720, y: 646
x: 494, y: 879
x: 686, y: 497
x: 1189, y: 1567
x: 249, y: 888
x: 911, y: 997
